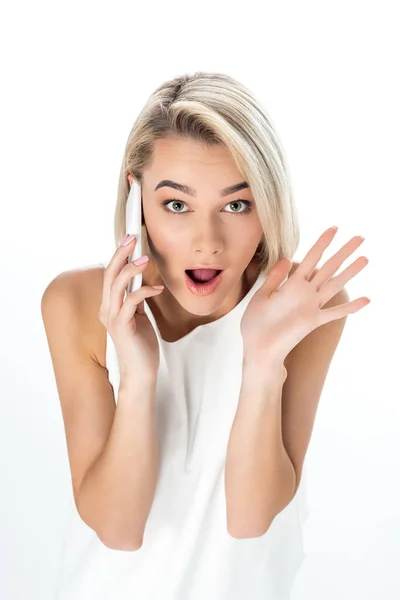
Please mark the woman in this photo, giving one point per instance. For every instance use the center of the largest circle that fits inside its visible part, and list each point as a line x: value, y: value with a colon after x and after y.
x: 188, y: 410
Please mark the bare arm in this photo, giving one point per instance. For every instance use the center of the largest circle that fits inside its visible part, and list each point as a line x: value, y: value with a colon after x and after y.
x: 272, y: 429
x: 259, y: 476
x: 118, y: 490
x: 112, y: 449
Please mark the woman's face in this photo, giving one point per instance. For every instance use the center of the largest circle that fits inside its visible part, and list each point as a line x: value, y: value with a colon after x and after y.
x: 200, y: 229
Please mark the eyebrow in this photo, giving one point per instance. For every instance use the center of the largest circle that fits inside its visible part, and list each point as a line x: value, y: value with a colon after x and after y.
x: 185, y: 189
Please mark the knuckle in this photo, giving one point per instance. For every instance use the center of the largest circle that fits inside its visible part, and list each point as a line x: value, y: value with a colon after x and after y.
x: 134, y: 296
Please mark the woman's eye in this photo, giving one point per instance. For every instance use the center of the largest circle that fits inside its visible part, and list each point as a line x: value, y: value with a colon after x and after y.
x: 246, y: 203
x: 175, y: 201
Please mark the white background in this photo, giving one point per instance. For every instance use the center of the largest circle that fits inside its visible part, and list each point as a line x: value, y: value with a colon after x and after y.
x: 74, y: 77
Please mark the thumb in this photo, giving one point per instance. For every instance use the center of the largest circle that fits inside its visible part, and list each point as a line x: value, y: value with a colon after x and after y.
x: 278, y: 274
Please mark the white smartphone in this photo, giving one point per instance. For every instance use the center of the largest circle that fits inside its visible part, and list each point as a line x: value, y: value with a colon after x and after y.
x: 134, y: 226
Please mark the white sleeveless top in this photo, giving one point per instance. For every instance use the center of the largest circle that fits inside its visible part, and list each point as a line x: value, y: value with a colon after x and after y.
x: 187, y: 553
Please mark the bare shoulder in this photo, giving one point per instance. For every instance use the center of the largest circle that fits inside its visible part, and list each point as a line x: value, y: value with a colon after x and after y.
x: 77, y: 341
x: 80, y: 291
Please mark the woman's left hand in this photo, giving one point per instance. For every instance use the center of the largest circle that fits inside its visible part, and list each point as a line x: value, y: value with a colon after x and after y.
x: 278, y: 318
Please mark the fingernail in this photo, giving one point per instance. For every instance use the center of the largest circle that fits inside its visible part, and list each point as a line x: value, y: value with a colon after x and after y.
x: 158, y: 287
x: 141, y: 260
x: 127, y: 239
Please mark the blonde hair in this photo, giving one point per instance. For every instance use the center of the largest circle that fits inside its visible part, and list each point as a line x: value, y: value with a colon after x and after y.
x: 213, y: 108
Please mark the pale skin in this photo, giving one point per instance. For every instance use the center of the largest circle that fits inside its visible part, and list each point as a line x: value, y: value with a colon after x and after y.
x: 285, y: 359
x: 208, y: 233
x: 290, y: 333
x: 280, y: 391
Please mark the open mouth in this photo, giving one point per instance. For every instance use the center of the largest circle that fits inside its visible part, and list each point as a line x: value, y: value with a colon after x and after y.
x: 203, y: 282
x: 203, y: 275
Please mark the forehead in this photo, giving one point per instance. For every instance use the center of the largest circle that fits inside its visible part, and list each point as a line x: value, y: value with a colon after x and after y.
x: 179, y: 151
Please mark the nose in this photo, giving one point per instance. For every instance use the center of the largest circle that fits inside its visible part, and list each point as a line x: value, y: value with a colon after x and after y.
x: 207, y: 239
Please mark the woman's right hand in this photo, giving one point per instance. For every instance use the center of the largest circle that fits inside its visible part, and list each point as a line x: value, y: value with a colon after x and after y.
x: 133, y: 334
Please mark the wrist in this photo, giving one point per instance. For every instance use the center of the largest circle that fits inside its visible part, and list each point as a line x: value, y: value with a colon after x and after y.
x: 133, y: 384
x: 265, y: 368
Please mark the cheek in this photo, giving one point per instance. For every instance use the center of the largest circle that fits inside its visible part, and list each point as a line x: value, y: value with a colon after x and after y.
x: 165, y: 240
x: 245, y: 237
x: 164, y: 245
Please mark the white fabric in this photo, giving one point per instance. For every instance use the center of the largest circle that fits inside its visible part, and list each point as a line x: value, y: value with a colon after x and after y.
x: 187, y: 553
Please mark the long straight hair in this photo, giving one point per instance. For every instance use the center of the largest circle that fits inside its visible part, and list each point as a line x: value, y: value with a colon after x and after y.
x: 214, y: 108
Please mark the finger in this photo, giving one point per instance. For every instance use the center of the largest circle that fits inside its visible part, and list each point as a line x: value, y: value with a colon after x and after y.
x: 118, y: 287
x: 277, y: 275
x: 117, y: 262
x: 332, y: 287
x: 313, y: 256
x: 135, y: 299
x: 342, y: 310
x: 332, y: 265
